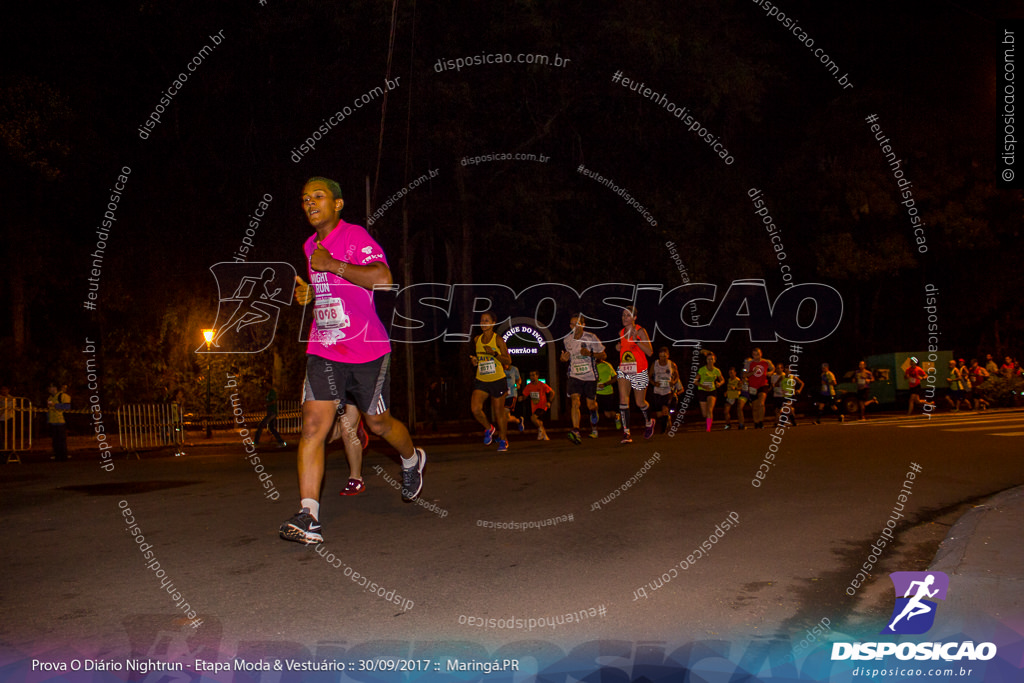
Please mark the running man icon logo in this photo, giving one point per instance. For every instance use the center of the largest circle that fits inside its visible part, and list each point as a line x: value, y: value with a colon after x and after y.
x: 914, y: 613
x: 250, y: 297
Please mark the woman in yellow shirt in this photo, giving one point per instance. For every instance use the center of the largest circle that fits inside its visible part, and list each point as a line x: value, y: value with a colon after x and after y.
x: 490, y: 358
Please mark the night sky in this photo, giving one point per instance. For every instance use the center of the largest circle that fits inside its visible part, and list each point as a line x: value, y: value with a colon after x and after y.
x: 79, y: 81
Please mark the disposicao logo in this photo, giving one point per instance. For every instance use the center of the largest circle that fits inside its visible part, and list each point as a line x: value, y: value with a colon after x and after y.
x: 914, y: 612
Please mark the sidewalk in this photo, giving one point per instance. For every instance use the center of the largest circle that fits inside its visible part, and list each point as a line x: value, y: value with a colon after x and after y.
x: 985, y: 553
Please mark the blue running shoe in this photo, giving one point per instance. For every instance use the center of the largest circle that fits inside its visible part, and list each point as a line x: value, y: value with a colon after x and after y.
x: 412, y: 477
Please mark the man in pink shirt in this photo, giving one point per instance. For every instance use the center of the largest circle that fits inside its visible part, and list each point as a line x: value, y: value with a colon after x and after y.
x: 349, y: 353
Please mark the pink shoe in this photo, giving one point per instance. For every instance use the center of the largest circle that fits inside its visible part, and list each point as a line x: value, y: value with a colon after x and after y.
x: 353, y: 488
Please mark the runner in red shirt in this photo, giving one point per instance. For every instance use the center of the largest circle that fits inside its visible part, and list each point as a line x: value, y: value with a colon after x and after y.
x: 978, y: 375
x: 914, y: 374
x: 537, y: 392
x: 634, y: 346
x: 757, y: 374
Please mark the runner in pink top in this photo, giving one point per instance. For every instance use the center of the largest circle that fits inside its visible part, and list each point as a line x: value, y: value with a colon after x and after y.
x: 345, y: 324
x: 348, y: 354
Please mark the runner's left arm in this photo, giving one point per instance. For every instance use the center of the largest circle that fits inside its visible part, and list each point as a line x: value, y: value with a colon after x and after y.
x: 504, y: 357
x: 644, y: 342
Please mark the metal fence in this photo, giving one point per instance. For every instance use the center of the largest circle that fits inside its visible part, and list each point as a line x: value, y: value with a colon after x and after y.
x: 150, y: 425
x: 289, y: 417
x: 16, y: 427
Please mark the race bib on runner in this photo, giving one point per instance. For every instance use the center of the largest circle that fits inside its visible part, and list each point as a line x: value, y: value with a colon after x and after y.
x: 488, y: 366
x: 330, y: 314
x: 628, y: 368
x: 580, y: 366
x: 663, y: 384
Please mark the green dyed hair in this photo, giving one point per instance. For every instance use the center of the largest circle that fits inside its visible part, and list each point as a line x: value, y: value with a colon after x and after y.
x: 334, y: 187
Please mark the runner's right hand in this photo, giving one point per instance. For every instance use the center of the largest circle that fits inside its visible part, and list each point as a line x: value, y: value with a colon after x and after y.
x: 303, y: 292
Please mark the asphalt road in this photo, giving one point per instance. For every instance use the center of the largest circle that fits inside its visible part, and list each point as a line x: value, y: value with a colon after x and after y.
x: 73, y: 578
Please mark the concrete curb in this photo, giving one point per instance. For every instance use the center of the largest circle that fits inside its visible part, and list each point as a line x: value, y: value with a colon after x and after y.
x: 984, y: 554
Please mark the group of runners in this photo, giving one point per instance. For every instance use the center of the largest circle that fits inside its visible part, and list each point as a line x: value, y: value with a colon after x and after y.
x: 348, y: 366
x: 589, y: 383
x: 612, y: 392
x: 759, y: 384
x: 964, y: 382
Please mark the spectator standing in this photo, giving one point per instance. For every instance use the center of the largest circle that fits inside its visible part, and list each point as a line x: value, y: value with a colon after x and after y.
x: 57, y: 402
x: 269, y: 420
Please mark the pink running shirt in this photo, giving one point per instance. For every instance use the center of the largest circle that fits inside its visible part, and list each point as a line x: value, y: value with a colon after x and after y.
x: 345, y: 326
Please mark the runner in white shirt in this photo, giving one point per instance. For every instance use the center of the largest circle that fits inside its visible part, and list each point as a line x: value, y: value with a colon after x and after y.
x: 583, y: 351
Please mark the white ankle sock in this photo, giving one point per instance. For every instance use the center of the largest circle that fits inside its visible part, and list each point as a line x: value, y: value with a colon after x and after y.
x: 313, y: 505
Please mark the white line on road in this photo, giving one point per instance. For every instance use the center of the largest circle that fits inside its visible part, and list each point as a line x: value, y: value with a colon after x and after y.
x: 940, y: 425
